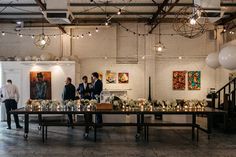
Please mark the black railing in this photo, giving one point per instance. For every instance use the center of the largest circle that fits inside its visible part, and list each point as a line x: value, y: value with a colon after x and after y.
x: 226, y: 93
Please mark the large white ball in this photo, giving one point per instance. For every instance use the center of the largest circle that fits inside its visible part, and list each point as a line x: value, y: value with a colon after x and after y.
x: 227, y: 57
x: 46, y: 56
x: 212, y: 60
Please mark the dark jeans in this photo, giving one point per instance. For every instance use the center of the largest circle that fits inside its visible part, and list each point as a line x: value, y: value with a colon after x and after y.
x: 11, y: 104
x: 88, y: 120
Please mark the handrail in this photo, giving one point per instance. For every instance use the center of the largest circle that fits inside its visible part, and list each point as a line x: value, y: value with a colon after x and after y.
x: 226, y: 85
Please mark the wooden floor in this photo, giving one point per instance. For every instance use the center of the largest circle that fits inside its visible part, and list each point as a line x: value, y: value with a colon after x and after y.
x: 114, y: 142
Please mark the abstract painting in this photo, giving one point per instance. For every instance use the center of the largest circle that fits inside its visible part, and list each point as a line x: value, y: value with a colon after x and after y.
x: 123, y: 77
x: 40, y: 85
x: 194, y: 80
x: 179, y: 80
x: 232, y: 76
x: 110, y: 77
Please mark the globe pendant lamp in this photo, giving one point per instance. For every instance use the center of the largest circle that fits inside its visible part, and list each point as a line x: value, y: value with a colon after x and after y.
x: 212, y: 60
x: 41, y: 41
x: 227, y: 57
x: 190, y: 21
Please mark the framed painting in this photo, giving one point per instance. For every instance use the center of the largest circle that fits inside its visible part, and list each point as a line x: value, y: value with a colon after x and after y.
x: 40, y: 85
x: 110, y: 77
x: 100, y: 76
x: 123, y: 77
x: 179, y: 80
x: 194, y: 80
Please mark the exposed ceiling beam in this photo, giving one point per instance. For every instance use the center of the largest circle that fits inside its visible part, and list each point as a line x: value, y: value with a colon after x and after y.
x: 43, y: 7
x: 162, y: 17
x: 109, y: 4
x: 227, y: 19
x: 126, y: 4
x: 159, y: 10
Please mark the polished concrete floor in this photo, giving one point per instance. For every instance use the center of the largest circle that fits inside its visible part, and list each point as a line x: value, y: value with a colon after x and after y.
x: 114, y: 142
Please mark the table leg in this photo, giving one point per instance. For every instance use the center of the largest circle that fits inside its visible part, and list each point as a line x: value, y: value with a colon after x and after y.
x: 193, y: 126
x: 209, y: 124
x: 138, y: 126
x: 26, y: 126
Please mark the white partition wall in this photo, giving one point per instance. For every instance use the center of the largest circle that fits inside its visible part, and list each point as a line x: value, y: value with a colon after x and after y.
x: 19, y: 73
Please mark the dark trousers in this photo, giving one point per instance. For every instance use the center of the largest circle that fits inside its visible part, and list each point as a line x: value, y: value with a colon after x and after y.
x: 88, y: 120
x: 99, y: 119
x: 70, y: 119
x: 11, y: 104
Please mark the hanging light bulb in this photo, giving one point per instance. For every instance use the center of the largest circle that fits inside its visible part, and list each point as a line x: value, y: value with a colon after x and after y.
x: 3, y: 33
x: 32, y: 36
x: 192, y: 21
x: 43, y: 42
x: 106, y: 23
x: 119, y: 12
x: 97, y: 29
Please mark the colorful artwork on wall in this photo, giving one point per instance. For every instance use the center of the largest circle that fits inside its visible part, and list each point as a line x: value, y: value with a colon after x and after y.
x: 110, y: 77
x: 123, y: 77
x: 40, y: 85
x: 194, y: 80
x: 179, y: 80
x: 100, y: 76
x: 232, y: 76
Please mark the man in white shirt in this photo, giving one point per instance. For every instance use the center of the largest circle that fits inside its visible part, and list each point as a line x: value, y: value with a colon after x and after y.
x: 10, y: 96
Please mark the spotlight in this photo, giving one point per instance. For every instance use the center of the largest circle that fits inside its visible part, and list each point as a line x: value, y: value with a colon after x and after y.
x: 73, y: 37
x: 180, y: 57
x: 106, y: 23
x: 54, y: 36
x: 143, y: 57
x: 105, y: 57
x: 3, y: 33
x: 97, y: 29
x: 32, y: 36
x: 77, y: 37
x: 82, y: 36
x: 89, y: 34
x: 43, y: 42
x: 21, y: 35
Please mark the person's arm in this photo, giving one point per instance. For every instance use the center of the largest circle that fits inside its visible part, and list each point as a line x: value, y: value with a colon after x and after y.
x: 64, y: 93
x: 17, y: 95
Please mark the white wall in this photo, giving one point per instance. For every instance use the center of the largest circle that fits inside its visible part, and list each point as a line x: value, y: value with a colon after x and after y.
x: 165, y: 73
x: 135, y: 87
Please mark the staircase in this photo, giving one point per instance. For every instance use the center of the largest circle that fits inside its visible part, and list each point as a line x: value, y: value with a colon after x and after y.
x: 224, y: 99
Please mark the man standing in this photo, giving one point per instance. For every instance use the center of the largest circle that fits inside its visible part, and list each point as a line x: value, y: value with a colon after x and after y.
x: 69, y: 94
x: 10, y: 96
x: 84, y: 89
x: 85, y: 93
x: 96, y: 91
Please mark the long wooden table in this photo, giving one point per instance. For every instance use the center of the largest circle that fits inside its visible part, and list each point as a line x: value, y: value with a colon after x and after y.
x: 209, y: 112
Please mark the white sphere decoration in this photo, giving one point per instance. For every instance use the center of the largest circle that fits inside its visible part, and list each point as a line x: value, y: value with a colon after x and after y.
x: 28, y: 58
x: 46, y: 57
x: 227, y: 57
x: 212, y: 60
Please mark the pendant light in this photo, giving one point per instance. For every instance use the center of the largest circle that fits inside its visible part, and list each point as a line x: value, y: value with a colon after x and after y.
x: 159, y: 47
x: 42, y: 40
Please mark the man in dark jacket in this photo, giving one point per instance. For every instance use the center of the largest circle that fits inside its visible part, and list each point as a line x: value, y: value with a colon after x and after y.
x: 69, y: 94
x: 84, y: 89
x: 96, y: 91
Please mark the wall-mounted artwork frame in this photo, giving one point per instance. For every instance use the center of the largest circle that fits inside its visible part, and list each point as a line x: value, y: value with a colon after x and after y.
x: 110, y: 77
x: 194, y: 80
x: 123, y: 77
x: 178, y: 81
x: 40, y: 85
